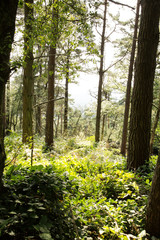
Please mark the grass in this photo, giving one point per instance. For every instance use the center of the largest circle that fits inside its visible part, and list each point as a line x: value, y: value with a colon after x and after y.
x: 79, y: 191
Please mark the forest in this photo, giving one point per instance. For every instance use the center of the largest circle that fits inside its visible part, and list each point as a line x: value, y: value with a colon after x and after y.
x: 69, y: 172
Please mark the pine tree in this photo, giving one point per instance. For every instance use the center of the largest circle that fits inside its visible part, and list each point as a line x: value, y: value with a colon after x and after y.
x: 142, y: 97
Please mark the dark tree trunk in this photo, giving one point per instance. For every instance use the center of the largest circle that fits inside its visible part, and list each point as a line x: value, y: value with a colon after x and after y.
x: 51, y: 83
x: 142, y: 98
x: 153, y: 208
x: 128, y: 91
x: 103, y: 126
x: 38, y: 120
x: 66, y: 96
x: 28, y: 82
x: 38, y: 108
x: 155, y: 123
x: 50, y: 105
x: 7, y: 118
x: 61, y: 119
x: 101, y: 75
x: 57, y: 126
x: 8, y: 10
x: 2, y: 127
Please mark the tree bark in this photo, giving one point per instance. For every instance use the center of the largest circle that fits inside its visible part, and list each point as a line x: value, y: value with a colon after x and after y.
x: 8, y: 10
x: 142, y: 98
x: 38, y: 120
x: 50, y: 105
x: 128, y: 91
x: 7, y: 118
x: 28, y: 81
x: 38, y: 107
x: 154, y: 127
x: 66, y: 95
x: 49, y: 135
x: 101, y: 76
x: 103, y: 126
x: 2, y: 127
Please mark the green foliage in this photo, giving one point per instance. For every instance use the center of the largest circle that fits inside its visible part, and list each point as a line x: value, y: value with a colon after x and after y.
x: 84, y: 192
x: 32, y: 206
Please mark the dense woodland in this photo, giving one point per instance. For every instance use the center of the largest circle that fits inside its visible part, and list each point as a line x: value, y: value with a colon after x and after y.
x: 70, y: 173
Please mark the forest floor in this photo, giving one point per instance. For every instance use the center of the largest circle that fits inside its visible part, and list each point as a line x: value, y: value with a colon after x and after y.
x: 81, y: 190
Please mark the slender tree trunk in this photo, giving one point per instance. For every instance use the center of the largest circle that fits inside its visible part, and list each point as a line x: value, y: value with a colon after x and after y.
x: 7, y: 27
x: 28, y: 81
x: 142, y: 98
x: 51, y: 83
x: 38, y: 120
x: 66, y: 95
x: 103, y: 125
x: 7, y: 118
x: 101, y: 75
x: 128, y: 91
x: 20, y: 120
x: 2, y: 127
x: 57, y: 126
x: 61, y: 119
x: 154, y: 127
x: 50, y: 105
x: 38, y: 108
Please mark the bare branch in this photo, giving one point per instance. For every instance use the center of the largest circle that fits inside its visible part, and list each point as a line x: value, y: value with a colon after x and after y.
x: 48, y: 101
x: 113, y: 64
x: 107, y: 37
x: 122, y: 4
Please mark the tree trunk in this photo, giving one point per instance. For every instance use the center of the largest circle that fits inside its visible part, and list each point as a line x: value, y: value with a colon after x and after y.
x: 57, y: 126
x: 142, y: 98
x: 7, y: 118
x: 103, y: 126
x: 8, y: 10
x: 153, y: 208
x: 154, y: 127
x: 101, y: 75
x: 51, y: 82
x: 128, y: 91
x: 2, y: 127
x: 28, y: 82
x: 50, y: 104
x: 66, y: 96
x: 38, y: 108
x: 38, y: 120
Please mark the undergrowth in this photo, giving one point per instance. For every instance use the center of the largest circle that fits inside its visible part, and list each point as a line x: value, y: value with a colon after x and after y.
x: 78, y: 191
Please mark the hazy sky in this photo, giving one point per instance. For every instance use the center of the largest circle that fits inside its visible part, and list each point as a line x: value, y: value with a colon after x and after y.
x: 81, y: 92
x: 89, y: 82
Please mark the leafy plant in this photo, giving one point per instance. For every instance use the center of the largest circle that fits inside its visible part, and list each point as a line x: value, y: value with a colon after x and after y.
x: 82, y: 193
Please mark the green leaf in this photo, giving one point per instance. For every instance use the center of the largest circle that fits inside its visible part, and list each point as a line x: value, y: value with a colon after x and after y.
x: 45, y: 236
x: 30, y: 210
x: 13, y: 213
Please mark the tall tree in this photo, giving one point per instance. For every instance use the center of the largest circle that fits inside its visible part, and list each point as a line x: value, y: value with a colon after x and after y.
x: 7, y: 111
x: 8, y: 10
x: 155, y: 123
x: 142, y: 98
x: 51, y: 79
x: 66, y: 92
x: 128, y: 90
x: 28, y: 82
x: 38, y: 108
x: 101, y: 76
